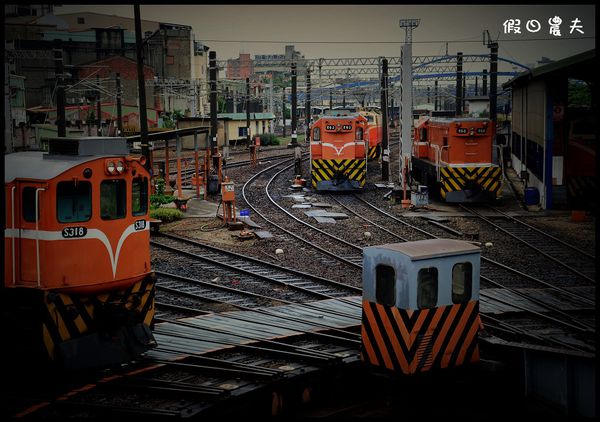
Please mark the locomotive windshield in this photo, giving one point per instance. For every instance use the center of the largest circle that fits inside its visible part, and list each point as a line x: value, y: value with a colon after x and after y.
x: 73, y: 202
x: 139, y: 196
x: 112, y: 199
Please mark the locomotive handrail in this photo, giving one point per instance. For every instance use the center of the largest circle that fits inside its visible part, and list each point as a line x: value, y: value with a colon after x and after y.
x: 12, y: 212
x: 37, y: 234
x: 438, y: 157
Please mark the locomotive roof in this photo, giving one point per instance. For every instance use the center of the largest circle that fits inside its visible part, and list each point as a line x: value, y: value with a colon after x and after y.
x: 431, y: 248
x: 33, y: 165
x: 458, y: 119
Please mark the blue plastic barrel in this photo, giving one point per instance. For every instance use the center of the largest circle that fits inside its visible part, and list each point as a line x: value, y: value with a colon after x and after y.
x: 532, y: 196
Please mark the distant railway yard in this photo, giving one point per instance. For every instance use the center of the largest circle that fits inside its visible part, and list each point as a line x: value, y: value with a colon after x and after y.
x: 386, y: 235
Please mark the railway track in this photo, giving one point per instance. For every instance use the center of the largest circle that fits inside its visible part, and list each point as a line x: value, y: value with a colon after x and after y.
x: 550, y: 313
x: 257, y: 188
x: 572, y: 259
x: 262, y: 273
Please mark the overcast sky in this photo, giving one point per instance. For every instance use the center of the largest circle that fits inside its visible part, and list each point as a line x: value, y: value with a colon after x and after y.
x: 305, y: 25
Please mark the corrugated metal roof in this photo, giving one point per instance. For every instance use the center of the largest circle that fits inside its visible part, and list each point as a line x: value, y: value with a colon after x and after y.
x: 430, y: 248
x: 552, y: 67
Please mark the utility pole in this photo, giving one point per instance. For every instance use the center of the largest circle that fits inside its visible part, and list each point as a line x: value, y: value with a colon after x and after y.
x: 294, y: 107
x: 484, y: 83
x: 283, y: 109
x: 271, y: 95
x: 435, y: 94
x: 493, y: 46
x: 330, y: 99
x: 476, y: 87
x: 385, y: 158
x: 321, y: 102
x: 248, y: 111
x: 60, y: 91
x: 494, y: 81
x: 99, y: 105
x: 308, y: 107
x: 406, y: 119
x: 459, y: 80
x: 119, y: 106
x: 214, y: 125
x: 142, y: 89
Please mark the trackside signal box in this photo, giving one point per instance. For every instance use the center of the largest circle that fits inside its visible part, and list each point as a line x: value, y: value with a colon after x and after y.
x: 227, y: 191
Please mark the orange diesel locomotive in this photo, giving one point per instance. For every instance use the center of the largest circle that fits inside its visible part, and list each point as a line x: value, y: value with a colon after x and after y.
x: 338, y: 153
x: 420, y: 305
x: 78, y: 288
x: 454, y: 158
x: 373, y: 133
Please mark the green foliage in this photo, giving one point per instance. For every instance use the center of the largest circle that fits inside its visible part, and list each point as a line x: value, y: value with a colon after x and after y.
x: 221, y: 105
x: 166, y: 215
x: 170, y: 119
x: 159, y: 197
x: 168, y: 122
x: 158, y: 200
x: 160, y: 186
x: 580, y: 94
x: 267, y: 139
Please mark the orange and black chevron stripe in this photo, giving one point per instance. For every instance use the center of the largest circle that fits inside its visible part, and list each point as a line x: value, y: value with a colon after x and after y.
x: 323, y: 170
x: 488, y: 178
x: 69, y: 316
x: 411, y: 341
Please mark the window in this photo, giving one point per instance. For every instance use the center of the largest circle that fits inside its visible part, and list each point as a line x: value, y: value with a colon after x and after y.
x: 462, y: 280
x: 317, y: 134
x: 359, y: 133
x: 427, y: 288
x: 80, y: 21
x: 385, y: 285
x: 28, y: 205
x: 73, y: 202
x: 242, y: 131
x: 139, y: 196
x: 112, y: 199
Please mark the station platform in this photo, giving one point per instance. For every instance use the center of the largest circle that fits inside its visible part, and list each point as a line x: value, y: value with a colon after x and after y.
x: 198, y: 207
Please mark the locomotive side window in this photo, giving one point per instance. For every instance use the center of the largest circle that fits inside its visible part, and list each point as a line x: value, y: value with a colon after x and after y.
x: 462, y: 279
x: 28, y: 205
x: 359, y: 133
x: 427, y: 287
x: 112, y: 199
x: 73, y: 202
x: 316, y: 134
x: 139, y: 196
x: 385, y: 285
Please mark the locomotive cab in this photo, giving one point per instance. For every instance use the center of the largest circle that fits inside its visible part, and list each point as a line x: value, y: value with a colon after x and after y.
x: 78, y: 287
x: 420, y: 305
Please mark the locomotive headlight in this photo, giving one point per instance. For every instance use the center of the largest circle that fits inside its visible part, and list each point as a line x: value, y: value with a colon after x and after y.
x: 120, y: 166
x: 110, y: 166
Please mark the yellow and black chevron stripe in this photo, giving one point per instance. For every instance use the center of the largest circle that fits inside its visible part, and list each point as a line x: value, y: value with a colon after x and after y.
x: 374, y: 152
x: 69, y: 316
x: 582, y: 186
x: 487, y: 178
x: 323, y: 170
x: 411, y: 341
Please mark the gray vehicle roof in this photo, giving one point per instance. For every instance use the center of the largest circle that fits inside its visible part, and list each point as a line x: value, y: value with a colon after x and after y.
x: 430, y: 248
x: 32, y: 165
